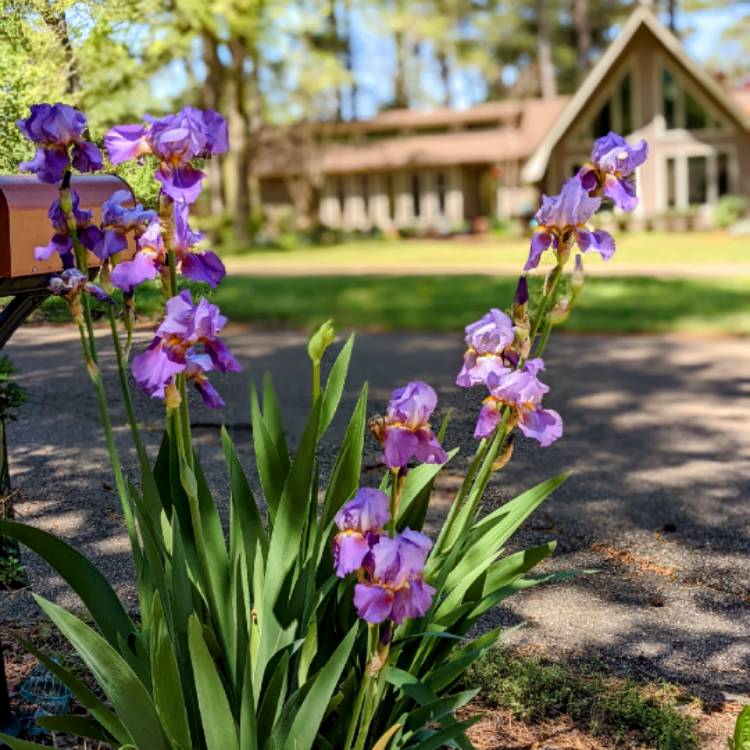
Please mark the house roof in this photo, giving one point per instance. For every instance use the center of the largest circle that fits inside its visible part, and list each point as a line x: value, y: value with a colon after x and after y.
x: 488, y: 112
x: 535, y: 168
x: 742, y: 99
x: 507, y: 130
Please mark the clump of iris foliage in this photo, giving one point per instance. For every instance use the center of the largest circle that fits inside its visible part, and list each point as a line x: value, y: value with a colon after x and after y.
x: 537, y: 689
x: 331, y: 620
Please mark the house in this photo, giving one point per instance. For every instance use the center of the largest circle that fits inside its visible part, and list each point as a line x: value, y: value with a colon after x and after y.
x: 439, y: 170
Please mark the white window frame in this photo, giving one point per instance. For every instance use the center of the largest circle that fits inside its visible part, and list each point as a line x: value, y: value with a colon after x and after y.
x: 681, y: 157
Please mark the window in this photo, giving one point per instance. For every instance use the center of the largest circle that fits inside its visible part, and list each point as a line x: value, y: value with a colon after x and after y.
x: 670, y: 93
x: 431, y: 130
x: 626, y: 105
x: 340, y: 195
x: 722, y: 174
x: 671, y: 183
x: 390, y: 189
x: 380, y: 135
x: 416, y: 198
x: 695, y: 116
x: 681, y: 109
x: 697, y: 180
x: 603, y: 121
x: 482, y: 125
x: 365, y: 186
x: 441, y: 192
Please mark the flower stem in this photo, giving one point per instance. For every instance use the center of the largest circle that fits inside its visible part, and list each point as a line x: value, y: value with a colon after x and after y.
x: 366, y: 701
x: 357, y: 710
x: 395, y: 497
x: 101, y: 398
x: 543, y: 340
x: 125, y: 388
x: 88, y: 345
x: 545, y: 303
x: 167, y: 218
x: 315, y: 380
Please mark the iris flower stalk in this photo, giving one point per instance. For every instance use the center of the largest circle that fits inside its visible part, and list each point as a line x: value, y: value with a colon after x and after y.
x: 180, y: 416
x: 88, y: 344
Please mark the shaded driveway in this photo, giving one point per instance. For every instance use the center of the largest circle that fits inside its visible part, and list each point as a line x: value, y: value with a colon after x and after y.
x: 657, y: 432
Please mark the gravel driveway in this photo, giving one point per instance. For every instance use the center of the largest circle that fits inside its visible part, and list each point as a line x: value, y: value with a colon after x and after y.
x: 657, y: 432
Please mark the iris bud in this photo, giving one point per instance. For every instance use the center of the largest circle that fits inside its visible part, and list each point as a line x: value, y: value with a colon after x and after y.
x: 560, y: 311
x: 320, y: 341
x: 172, y: 397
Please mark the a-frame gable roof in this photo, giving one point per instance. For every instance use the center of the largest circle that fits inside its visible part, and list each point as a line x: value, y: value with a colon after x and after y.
x: 536, y: 166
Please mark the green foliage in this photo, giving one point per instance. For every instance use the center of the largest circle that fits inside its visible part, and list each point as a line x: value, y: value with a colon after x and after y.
x: 12, y: 571
x: 741, y: 739
x: 12, y: 395
x: 729, y: 210
x: 535, y: 689
x: 249, y: 640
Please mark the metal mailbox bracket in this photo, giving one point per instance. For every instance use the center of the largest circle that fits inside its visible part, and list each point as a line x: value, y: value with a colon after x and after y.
x: 28, y: 293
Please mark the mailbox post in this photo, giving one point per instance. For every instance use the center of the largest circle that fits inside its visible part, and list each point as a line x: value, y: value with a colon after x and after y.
x: 24, y: 225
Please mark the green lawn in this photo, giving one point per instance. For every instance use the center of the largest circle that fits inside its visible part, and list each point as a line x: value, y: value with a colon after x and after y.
x: 447, y: 303
x: 668, y: 253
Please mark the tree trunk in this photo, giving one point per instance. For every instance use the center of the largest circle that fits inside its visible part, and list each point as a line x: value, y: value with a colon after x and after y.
x: 58, y: 24
x: 239, y: 124
x: 332, y: 44
x: 672, y: 13
x: 212, y: 98
x: 400, y: 96
x: 346, y: 13
x: 547, y: 80
x: 583, y: 34
x: 256, y: 124
x: 445, y: 77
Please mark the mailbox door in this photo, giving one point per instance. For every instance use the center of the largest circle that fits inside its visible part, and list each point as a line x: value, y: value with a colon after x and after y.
x: 25, y: 225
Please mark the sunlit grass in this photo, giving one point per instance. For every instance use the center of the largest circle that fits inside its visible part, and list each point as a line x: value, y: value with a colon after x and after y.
x: 447, y: 303
x: 677, y: 252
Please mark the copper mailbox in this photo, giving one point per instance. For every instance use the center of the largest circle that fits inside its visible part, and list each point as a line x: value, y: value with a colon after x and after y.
x: 24, y: 225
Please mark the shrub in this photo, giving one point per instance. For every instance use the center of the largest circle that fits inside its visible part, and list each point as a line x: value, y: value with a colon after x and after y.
x: 729, y: 210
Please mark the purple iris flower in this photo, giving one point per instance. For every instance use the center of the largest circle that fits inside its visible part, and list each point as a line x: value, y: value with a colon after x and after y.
x: 61, y: 243
x: 151, y: 256
x: 186, y: 341
x: 57, y: 130
x: 394, y: 586
x: 199, y: 266
x: 522, y: 391
x: 486, y: 340
x: 562, y: 221
x: 71, y: 282
x: 405, y: 432
x: 360, y: 523
x: 146, y: 263
x: 613, y: 162
x: 118, y: 220
x: 174, y: 140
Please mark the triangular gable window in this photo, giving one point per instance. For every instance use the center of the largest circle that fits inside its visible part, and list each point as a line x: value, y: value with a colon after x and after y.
x: 680, y: 108
x: 696, y: 118
x: 617, y: 112
x: 603, y: 120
